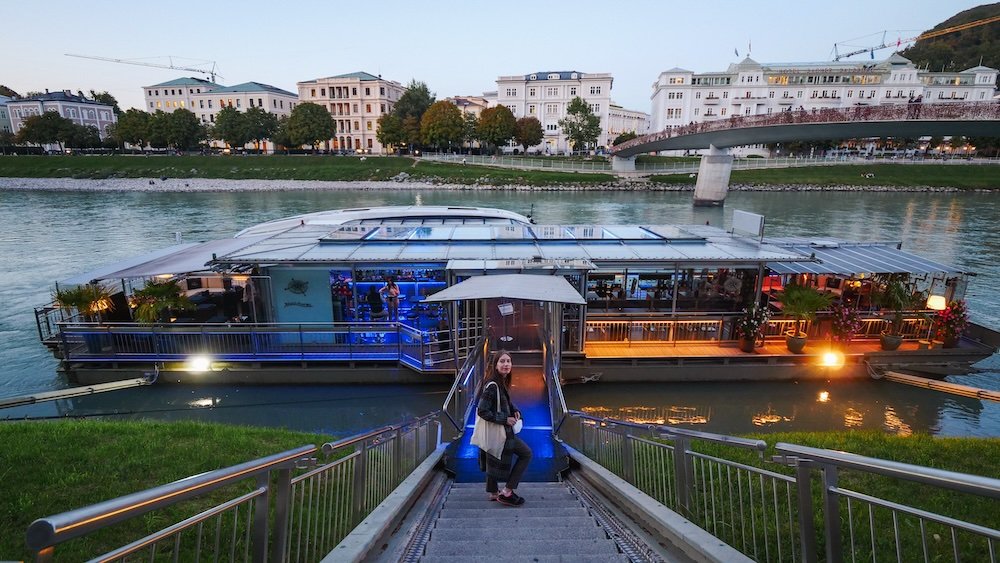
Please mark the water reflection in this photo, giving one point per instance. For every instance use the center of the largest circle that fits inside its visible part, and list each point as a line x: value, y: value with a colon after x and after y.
x: 740, y: 408
x: 335, y: 411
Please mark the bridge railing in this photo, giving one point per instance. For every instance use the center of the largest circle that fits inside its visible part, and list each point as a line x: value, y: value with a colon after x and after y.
x: 770, y: 510
x: 882, y: 112
x: 293, y: 506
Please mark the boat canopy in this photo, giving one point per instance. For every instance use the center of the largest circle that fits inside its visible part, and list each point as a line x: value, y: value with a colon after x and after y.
x: 177, y: 259
x: 850, y: 258
x: 530, y: 287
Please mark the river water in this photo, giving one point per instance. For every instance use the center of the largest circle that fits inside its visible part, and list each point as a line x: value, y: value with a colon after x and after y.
x: 49, y: 235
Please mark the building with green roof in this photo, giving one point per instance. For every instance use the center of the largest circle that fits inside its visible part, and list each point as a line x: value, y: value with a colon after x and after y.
x: 356, y: 101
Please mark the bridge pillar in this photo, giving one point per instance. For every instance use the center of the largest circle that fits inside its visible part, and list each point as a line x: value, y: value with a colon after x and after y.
x: 713, y: 178
x: 623, y: 164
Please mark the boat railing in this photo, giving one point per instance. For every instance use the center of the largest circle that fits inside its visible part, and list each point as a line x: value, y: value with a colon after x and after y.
x: 257, y: 342
x: 805, y: 504
x: 720, y: 327
x: 296, y: 505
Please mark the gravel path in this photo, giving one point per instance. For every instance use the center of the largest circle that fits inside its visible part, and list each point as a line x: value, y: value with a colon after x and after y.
x: 225, y: 185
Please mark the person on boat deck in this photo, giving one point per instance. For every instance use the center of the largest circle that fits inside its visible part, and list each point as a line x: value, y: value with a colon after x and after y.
x: 374, y: 300
x: 391, y: 291
x: 504, y: 469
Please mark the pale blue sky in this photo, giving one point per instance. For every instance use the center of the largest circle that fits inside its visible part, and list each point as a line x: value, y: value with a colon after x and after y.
x: 456, y: 47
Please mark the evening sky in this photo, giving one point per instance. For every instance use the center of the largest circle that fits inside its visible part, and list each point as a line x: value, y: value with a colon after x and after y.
x: 457, y: 48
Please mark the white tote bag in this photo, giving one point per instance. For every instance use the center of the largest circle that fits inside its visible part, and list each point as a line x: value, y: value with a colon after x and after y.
x: 489, y: 436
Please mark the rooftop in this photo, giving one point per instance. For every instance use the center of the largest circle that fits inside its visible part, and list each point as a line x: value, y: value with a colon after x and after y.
x: 61, y: 96
x: 360, y: 75
x: 253, y: 87
x: 185, y: 81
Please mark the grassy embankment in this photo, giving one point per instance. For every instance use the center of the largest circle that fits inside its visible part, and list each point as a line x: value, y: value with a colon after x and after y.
x: 900, y: 175
x: 304, y: 167
x: 50, y: 467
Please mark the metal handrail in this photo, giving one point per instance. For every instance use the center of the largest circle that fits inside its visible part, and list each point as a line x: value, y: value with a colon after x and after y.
x: 972, y: 484
x: 705, y: 436
x: 474, y: 361
x: 330, y: 447
x: 52, y: 530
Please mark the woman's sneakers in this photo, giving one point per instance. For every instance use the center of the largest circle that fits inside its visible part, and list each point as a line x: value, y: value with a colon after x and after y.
x: 512, y: 500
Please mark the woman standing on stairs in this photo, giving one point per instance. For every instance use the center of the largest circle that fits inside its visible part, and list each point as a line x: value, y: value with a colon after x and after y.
x: 495, y: 406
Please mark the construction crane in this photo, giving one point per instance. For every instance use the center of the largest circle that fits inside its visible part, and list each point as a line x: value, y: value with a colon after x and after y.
x: 211, y: 73
x: 922, y: 36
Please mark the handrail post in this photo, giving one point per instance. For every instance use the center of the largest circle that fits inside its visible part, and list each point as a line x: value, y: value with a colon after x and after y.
x: 260, y: 518
x: 628, y: 461
x: 683, y: 480
x: 282, y: 509
x: 807, y: 525
x: 360, y: 477
x: 831, y: 513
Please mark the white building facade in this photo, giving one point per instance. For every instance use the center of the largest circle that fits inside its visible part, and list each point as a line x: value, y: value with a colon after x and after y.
x: 176, y: 94
x: 5, y: 126
x: 621, y: 120
x: 207, y: 105
x: 681, y: 97
x: 78, y: 109
x: 356, y: 101
x: 546, y: 95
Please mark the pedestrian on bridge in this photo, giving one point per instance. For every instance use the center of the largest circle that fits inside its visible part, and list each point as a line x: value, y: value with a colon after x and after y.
x: 495, y: 406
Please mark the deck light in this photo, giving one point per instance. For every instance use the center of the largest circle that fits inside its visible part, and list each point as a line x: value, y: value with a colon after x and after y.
x: 832, y: 359
x: 936, y: 303
x: 198, y: 364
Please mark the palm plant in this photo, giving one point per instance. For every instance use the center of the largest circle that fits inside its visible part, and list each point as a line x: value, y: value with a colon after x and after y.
x: 156, y: 297
x: 895, y: 296
x: 89, y: 299
x: 801, y: 303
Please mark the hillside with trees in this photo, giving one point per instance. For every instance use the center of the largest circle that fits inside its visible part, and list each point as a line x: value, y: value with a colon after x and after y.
x: 960, y: 50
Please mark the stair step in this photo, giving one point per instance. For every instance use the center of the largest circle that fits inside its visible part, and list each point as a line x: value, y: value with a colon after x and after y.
x: 543, y: 522
x: 605, y: 558
x: 483, y: 504
x: 525, y: 547
x: 512, y: 512
x: 522, y: 487
x: 517, y: 534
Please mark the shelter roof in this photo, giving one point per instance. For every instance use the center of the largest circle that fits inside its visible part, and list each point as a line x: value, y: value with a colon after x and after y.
x: 836, y: 256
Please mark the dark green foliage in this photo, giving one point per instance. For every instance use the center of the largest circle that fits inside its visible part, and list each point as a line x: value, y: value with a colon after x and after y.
x: 156, y: 297
x: 964, y: 49
x: 416, y: 99
x: 528, y: 132
x: 580, y: 125
x: 441, y: 125
x: 309, y: 124
x: 5, y: 91
x: 626, y: 136
x: 496, y: 126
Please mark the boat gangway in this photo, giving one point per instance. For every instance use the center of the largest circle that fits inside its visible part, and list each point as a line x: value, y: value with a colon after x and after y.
x: 599, y: 490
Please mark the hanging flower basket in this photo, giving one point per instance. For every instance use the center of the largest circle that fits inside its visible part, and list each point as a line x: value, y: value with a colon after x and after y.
x: 951, y: 322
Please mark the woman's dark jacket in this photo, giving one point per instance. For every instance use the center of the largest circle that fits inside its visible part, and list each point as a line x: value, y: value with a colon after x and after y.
x: 498, y: 413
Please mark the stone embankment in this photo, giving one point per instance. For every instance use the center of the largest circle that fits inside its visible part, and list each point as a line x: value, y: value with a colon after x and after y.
x: 227, y: 185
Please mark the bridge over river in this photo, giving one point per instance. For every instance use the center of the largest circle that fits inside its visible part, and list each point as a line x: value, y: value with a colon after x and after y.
x: 895, y: 120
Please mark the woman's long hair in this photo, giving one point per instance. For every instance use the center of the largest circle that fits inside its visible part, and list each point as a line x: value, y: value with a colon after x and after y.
x: 491, y: 370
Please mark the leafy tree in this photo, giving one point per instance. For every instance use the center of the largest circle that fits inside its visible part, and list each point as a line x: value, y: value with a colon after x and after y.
x: 82, y: 136
x: 184, y: 131
x: 309, y: 124
x: 471, y: 123
x: 133, y: 128
x: 5, y: 91
x: 261, y: 124
x: 960, y: 50
x: 390, y: 131
x: 956, y: 142
x: 158, y: 132
x: 581, y: 126
x: 624, y: 137
x: 411, y: 131
x: 414, y: 101
x: 934, y: 143
x: 45, y: 129
x: 442, y: 125
x: 528, y: 132
x: 6, y: 138
x: 281, y: 135
x: 231, y: 126
x: 496, y: 126
x: 106, y: 99
x: 32, y: 94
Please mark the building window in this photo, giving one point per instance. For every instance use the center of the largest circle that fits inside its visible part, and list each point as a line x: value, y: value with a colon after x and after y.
x: 251, y: 102
x: 370, y: 144
x: 696, y: 111
x: 381, y: 90
x: 572, y: 90
x: 725, y: 95
x: 722, y: 111
x: 281, y: 103
x: 531, y: 109
x: 355, y: 108
x: 357, y: 126
x: 157, y: 92
x: 312, y: 93
x: 260, y: 102
x: 368, y: 108
x: 511, y: 91
x: 552, y: 92
x: 798, y: 94
x: 697, y: 95
x: 368, y: 125
x: 157, y: 105
x: 531, y: 92
x: 211, y: 117
x: 551, y: 127
x: 513, y: 109
x: 368, y: 91
x: 770, y: 94
x: 210, y: 104
x: 594, y: 90
x: 596, y: 108
x: 551, y: 109
x: 322, y: 92
x: 182, y: 103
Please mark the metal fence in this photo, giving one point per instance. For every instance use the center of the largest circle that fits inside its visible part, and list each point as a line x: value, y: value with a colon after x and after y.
x: 393, y: 341
x: 461, y: 397
x: 291, y: 512
x: 778, y: 515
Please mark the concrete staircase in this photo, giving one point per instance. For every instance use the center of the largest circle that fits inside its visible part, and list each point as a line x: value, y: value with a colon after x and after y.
x: 552, y: 525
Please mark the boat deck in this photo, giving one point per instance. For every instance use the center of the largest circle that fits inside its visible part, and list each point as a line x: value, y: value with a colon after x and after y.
x: 713, y: 349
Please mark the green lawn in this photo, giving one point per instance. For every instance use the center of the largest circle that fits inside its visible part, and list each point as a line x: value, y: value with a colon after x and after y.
x: 278, y: 167
x: 902, y: 175
x: 50, y: 467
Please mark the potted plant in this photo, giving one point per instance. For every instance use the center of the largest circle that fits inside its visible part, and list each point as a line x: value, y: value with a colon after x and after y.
x: 155, y: 298
x: 89, y: 300
x: 951, y: 322
x: 896, y: 297
x: 846, y: 322
x: 750, y: 325
x: 801, y: 303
